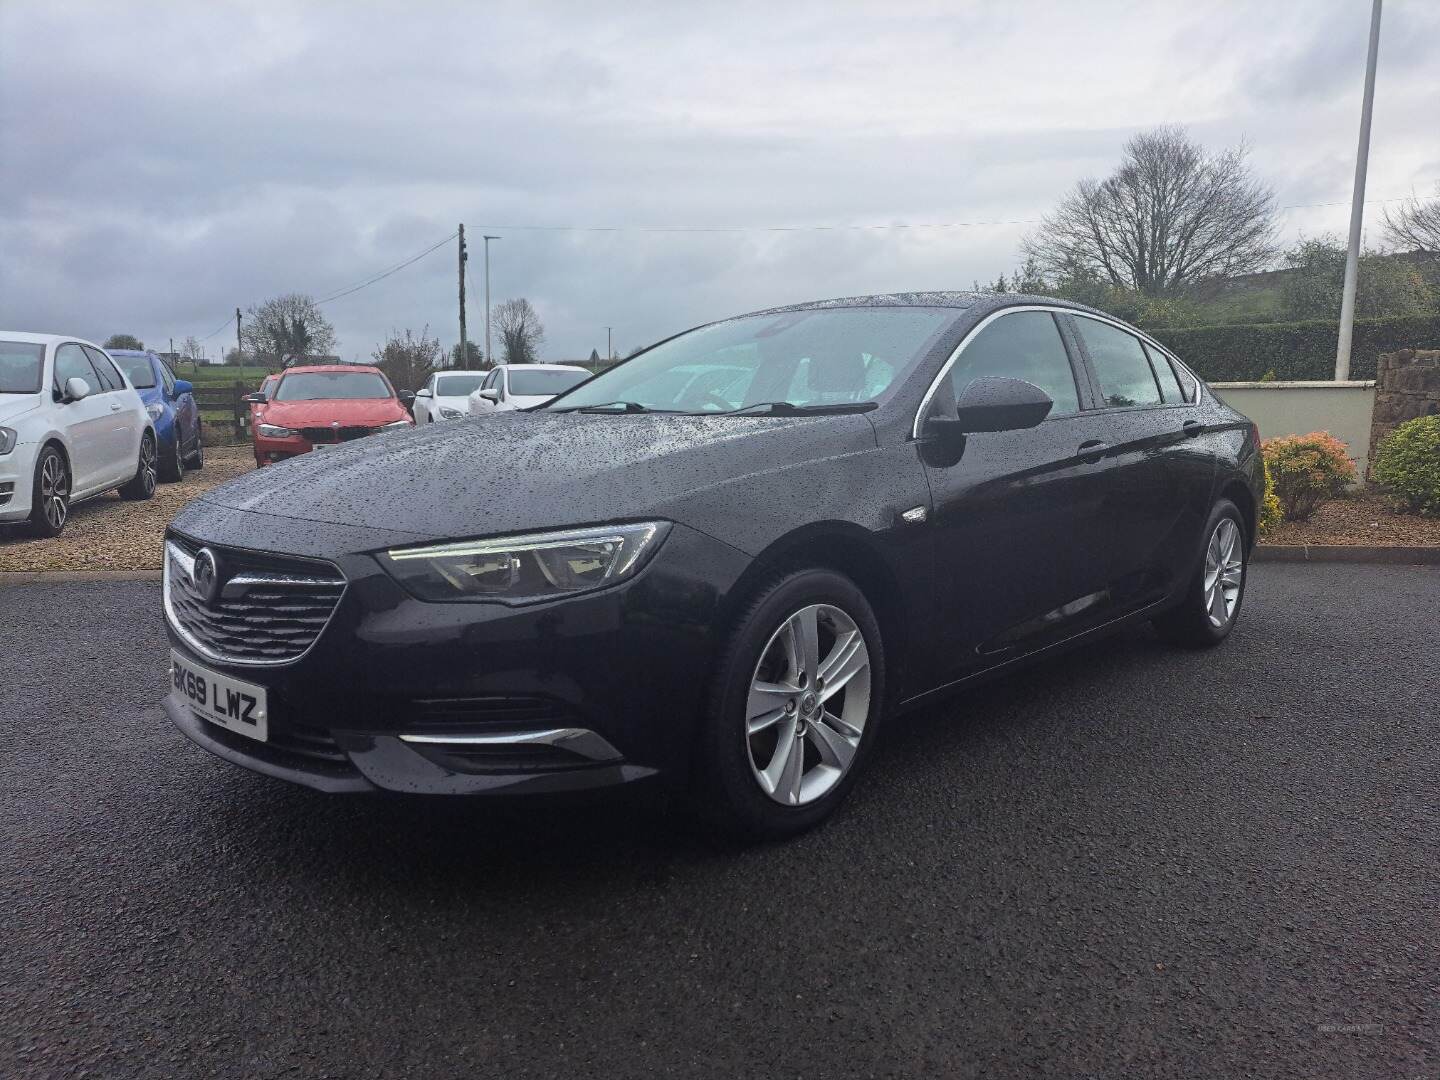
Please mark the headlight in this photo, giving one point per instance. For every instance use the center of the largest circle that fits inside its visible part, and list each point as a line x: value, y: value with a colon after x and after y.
x: 533, y: 567
x: 274, y: 431
x: 155, y: 410
x: 450, y: 414
x: 7, y: 439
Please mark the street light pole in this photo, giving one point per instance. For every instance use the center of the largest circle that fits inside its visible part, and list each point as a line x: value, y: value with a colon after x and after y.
x: 1357, y: 205
x: 489, y: 356
x: 609, y: 349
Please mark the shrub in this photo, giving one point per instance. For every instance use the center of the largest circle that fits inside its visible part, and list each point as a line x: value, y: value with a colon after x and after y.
x: 1407, y: 465
x: 1270, y: 514
x: 1298, y: 350
x: 1307, y: 470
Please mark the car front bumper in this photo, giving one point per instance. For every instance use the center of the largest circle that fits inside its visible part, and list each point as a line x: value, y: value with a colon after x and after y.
x: 398, y: 694
x: 17, y: 481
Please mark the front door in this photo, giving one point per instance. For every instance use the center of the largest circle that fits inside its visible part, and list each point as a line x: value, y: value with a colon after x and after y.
x: 86, y: 421
x: 1014, y: 524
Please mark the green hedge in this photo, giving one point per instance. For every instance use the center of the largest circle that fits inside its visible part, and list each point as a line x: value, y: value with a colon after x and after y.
x: 1301, y: 350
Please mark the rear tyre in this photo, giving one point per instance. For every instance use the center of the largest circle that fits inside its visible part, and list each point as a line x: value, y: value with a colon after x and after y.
x: 794, y: 708
x: 142, y: 485
x: 1214, y: 596
x: 50, y: 497
x: 197, y: 456
x: 172, y: 468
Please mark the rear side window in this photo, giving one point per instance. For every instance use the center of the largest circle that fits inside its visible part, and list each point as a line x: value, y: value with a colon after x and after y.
x: 1120, y: 365
x: 1022, y: 345
x: 70, y: 363
x: 109, y: 377
x: 1189, y: 386
x: 1165, y: 375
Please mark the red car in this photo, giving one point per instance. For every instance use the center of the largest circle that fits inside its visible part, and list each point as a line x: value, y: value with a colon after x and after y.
x: 323, y: 405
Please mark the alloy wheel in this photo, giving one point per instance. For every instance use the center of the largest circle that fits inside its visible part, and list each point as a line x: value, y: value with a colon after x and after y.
x: 1224, y: 572
x: 808, y: 703
x: 147, y: 464
x: 54, y: 492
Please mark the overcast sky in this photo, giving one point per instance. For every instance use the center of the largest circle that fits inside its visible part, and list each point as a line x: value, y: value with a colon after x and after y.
x: 161, y: 163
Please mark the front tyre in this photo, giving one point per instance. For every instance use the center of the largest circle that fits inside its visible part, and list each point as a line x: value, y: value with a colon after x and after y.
x: 172, y: 469
x: 142, y: 485
x: 50, y: 497
x: 1213, y: 598
x: 795, y: 706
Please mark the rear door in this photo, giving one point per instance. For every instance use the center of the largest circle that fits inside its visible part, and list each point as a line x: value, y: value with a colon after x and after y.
x: 127, y: 418
x: 1014, y: 524
x: 1157, y: 474
x: 86, y: 422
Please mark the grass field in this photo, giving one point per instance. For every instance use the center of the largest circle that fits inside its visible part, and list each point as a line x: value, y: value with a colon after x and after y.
x: 224, y: 376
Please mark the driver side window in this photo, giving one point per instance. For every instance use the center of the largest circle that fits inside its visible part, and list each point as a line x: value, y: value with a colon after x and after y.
x: 1022, y: 345
x: 70, y: 363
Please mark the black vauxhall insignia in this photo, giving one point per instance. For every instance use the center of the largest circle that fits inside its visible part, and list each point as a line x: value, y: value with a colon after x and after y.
x: 722, y: 563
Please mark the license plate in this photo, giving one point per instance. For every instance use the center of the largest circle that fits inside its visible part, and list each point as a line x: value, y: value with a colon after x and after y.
x: 231, y: 703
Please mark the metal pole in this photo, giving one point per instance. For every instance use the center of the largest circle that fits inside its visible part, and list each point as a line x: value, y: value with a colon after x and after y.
x: 1357, y: 205
x: 609, y: 349
x: 464, y: 346
x: 489, y: 356
x: 239, y: 348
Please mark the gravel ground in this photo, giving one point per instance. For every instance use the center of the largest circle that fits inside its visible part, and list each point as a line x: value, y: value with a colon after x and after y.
x: 1359, y: 520
x: 108, y: 533
x: 1130, y: 862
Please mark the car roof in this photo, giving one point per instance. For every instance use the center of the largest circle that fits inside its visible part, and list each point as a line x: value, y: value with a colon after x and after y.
x: 131, y: 352
x: 976, y: 302
x: 302, y: 368
x: 43, y: 339
x: 547, y: 367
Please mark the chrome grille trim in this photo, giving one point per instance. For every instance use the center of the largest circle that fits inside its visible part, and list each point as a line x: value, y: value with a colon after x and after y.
x: 284, y: 624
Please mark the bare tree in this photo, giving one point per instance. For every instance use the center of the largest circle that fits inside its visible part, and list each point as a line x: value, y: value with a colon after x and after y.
x: 408, y: 359
x: 1415, y: 224
x: 191, y: 348
x: 289, y: 325
x: 521, y: 333
x: 1171, y: 216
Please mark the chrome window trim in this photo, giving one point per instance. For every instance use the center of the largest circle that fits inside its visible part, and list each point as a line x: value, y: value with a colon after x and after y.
x: 1054, y: 310
x: 187, y: 563
x: 970, y: 334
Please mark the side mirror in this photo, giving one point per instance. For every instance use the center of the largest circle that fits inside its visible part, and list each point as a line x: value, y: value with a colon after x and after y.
x: 253, y: 399
x: 406, y: 397
x: 490, y: 393
x: 183, y: 386
x: 997, y: 404
x: 424, y: 391
x: 76, y: 388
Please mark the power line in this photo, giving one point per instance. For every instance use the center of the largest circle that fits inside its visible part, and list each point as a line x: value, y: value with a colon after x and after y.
x: 384, y: 274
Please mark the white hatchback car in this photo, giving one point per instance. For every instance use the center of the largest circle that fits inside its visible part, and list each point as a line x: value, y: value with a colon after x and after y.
x: 71, y: 427
x: 521, y: 386
x: 445, y: 396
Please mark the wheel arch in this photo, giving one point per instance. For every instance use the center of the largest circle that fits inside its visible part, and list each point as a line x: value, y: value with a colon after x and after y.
x: 1240, y: 494
x: 848, y: 549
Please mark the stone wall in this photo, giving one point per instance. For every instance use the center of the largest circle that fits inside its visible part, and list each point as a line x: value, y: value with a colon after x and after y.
x: 1407, y: 385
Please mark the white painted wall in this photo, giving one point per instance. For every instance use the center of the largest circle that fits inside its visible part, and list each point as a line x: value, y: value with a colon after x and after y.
x: 1298, y: 408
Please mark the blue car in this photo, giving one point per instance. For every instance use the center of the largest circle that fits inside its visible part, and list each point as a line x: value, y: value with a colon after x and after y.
x: 171, y: 404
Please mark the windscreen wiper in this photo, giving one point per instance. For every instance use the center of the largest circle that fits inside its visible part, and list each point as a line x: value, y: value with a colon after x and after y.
x: 612, y: 407
x: 789, y: 408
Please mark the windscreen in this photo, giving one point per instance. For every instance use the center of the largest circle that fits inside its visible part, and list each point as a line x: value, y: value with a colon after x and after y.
x: 323, y: 385
x: 21, y: 363
x: 831, y: 356
x: 138, y: 369
x: 543, y: 383
x: 457, y: 385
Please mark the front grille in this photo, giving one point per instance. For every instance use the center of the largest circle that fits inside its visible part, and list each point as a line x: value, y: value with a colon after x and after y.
x: 505, y: 712
x: 269, y: 610
x: 294, y: 746
x: 334, y: 434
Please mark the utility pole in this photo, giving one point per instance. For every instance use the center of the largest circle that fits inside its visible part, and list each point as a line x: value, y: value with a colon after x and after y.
x: 489, y: 356
x: 239, y: 349
x: 464, y: 341
x: 1357, y: 204
x: 609, y: 349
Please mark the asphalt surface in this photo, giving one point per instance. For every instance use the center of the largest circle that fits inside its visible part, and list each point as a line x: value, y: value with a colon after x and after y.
x: 1131, y: 862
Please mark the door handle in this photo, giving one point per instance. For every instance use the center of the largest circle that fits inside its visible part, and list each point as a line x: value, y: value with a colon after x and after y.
x: 115, y: 406
x: 1192, y: 428
x: 1092, y: 450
